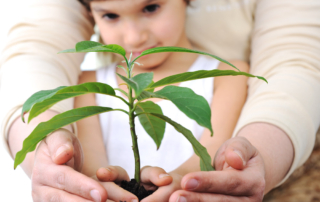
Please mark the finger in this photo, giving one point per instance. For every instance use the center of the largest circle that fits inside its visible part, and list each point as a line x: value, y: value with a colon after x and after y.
x: 51, y: 194
x: 63, y: 146
x: 185, y: 196
x: 112, y: 173
x: 235, y: 152
x: 116, y: 193
x: 155, y: 175
x: 231, y: 182
x: 163, y: 193
x: 64, y: 178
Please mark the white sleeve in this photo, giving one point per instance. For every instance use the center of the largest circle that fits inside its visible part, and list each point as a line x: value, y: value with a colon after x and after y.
x: 286, y: 51
x: 29, y: 61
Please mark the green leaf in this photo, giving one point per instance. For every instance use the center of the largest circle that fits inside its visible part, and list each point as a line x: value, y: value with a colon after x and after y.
x: 147, y: 94
x: 187, y: 76
x: 43, y: 100
x: 84, y: 45
x: 138, y: 82
x: 59, y: 121
x: 201, y: 151
x: 117, y: 49
x: 179, y: 49
x: 153, y: 126
x: 194, y: 106
x: 92, y: 46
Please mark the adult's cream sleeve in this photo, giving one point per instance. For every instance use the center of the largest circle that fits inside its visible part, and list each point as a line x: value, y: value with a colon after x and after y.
x: 286, y: 51
x: 29, y: 61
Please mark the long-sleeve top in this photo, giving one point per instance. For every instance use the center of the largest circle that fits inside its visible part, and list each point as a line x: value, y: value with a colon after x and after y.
x: 280, y: 39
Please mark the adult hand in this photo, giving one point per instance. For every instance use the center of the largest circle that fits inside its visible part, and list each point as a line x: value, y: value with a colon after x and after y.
x: 55, y: 175
x: 239, y: 176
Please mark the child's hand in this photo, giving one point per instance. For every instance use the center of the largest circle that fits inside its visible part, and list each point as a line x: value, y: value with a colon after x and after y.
x: 153, y: 177
x: 109, y: 177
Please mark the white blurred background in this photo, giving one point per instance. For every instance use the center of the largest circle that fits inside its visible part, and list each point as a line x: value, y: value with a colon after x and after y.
x: 14, y: 184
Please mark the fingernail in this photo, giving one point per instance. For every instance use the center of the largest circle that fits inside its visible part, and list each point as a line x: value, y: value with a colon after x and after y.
x: 191, y: 184
x: 181, y: 199
x: 108, y: 169
x: 95, y: 195
x: 163, y: 175
x: 61, y: 150
x: 134, y: 200
x: 240, y: 155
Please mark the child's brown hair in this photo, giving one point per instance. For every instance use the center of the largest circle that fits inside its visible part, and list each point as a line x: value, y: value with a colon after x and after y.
x: 86, y: 3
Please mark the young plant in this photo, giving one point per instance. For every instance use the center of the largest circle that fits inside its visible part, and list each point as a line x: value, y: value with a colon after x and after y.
x: 140, y: 88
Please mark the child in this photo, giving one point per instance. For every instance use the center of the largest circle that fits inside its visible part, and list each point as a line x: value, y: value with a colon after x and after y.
x: 138, y: 25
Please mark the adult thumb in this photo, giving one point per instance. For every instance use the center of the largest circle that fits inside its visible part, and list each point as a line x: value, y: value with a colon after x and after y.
x: 65, y: 148
x: 235, y: 153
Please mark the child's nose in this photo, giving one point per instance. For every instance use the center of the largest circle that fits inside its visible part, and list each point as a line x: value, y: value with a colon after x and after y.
x: 135, y: 35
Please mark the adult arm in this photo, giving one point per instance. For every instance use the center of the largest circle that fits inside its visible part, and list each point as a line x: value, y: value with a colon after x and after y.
x: 51, y: 179
x: 29, y: 61
x: 285, y: 47
x: 279, y: 120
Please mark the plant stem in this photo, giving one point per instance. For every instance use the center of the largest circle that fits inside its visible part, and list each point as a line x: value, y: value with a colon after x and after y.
x: 134, y: 138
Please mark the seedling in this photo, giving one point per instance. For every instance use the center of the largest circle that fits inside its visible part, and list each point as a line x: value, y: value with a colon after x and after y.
x: 140, y: 89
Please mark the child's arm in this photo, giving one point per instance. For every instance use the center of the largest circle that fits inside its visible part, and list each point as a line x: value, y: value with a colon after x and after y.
x: 89, y: 131
x: 229, y: 97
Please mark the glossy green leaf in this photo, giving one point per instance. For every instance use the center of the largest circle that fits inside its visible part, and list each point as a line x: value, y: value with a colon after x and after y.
x: 187, y: 76
x: 179, y: 49
x: 194, y: 106
x: 155, y: 127
x: 43, y: 100
x: 201, y: 151
x: 59, y: 121
x: 138, y: 82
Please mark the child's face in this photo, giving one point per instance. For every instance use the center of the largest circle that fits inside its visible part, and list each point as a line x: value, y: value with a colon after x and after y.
x: 138, y: 25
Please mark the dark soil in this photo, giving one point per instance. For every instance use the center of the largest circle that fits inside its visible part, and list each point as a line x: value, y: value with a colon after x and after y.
x: 134, y: 188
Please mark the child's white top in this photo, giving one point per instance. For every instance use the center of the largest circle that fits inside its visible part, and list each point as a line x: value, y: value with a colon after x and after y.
x: 175, y: 148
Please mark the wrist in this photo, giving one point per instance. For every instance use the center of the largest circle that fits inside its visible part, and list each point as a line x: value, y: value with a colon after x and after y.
x: 275, y: 148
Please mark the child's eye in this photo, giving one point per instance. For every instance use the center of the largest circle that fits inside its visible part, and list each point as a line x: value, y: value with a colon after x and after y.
x: 110, y: 16
x: 151, y: 8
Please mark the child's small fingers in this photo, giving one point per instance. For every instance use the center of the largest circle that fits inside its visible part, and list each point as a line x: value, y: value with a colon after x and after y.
x: 163, y: 193
x: 112, y: 174
x: 116, y: 193
x: 155, y: 175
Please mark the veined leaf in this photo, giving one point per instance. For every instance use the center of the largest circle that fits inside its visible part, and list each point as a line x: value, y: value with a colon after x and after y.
x: 147, y: 94
x: 179, y: 49
x: 187, y: 76
x: 92, y: 46
x: 201, y: 151
x: 138, y: 82
x: 84, y: 45
x: 155, y: 127
x: 117, y: 49
x: 43, y: 100
x: 194, y: 106
x: 59, y: 121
